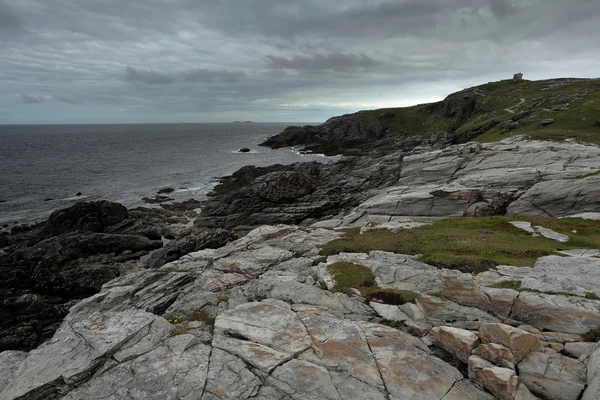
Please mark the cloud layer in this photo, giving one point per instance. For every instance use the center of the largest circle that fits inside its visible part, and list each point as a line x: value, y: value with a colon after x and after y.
x: 161, y: 61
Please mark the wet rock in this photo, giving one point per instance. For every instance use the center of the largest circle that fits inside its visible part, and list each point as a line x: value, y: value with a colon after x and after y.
x: 244, y: 150
x: 91, y: 216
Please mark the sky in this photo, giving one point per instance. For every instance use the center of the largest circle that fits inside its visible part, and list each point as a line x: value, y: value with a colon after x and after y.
x: 130, y: 61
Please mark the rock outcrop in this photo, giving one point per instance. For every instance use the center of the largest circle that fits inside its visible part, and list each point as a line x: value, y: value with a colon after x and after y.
x: 47, y: 268
x: 259, y: 318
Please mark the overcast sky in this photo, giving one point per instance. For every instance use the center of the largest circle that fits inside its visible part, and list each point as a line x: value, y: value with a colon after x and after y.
x: 90, y: 61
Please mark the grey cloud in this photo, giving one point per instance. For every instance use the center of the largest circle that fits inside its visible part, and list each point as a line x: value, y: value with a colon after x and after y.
x: 206, y: 75
x: 31, y: 99
x: 155, y: 58
x: 319, y: 62
x: 10, y: 22
x: 502, y: 8
x: 147, y: 76
x: 66, y: 99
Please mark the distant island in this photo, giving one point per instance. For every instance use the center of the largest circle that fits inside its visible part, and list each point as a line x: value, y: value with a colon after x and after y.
x: 242, y: 122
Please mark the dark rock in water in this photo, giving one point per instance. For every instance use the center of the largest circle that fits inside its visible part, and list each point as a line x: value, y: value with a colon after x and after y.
x: 166, y: 190
x: 186, y: 205
x: 78, y: 194
x: 2, y: 201
x: 48, y: 199
x: 46, y: 268
x: 156, y: 199
x: 244, y: 150
x: 175, y: 249
x: 333, y: 133
x: 86, y: 216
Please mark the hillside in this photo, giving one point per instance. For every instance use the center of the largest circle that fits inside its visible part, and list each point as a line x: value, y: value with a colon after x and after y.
x: 546, y: 109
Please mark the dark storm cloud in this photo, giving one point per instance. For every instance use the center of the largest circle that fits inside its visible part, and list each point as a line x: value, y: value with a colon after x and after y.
x: 318, y: 62
x: 30, y: 99
x: 201, y: 60
x: 147, y: 76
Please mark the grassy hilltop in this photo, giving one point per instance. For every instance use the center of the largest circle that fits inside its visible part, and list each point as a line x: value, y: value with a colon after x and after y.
x: 547, y: 109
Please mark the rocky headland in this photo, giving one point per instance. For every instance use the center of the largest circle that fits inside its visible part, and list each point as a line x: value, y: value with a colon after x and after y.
x: 445, y: 257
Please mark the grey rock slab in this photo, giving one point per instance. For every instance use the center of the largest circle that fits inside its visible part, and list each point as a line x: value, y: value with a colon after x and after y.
x: 593, y: 375
x: 465, y: 390
x: 10, y: 361
x: 557, y: 313
x: 440, y: 311
x: 579, y: 350
x: 462, y: 289
x: 230, y: 378
x: 550, y: 234
x: 559, y: 198
x: 526, y: 226
x: 264, y: 335
x: 176, y: 369
x: 427, y: 378
x: 81, y: 344
x: 553, y: 376
x: 577, y: 275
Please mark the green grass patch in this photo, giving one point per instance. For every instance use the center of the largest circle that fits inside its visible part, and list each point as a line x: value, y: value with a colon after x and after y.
x: 473, y: 244
x: 590, y: 175
x: 350, y: 276
x: 592, y: 296
x: 515, y: 285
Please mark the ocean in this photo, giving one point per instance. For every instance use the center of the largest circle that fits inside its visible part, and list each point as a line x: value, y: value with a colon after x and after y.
x: 44, y: 167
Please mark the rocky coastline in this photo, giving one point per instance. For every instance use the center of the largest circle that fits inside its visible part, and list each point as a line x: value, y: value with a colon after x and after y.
x: 287, y: 282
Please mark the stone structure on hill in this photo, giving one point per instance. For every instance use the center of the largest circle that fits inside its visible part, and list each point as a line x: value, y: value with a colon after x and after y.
x: 518, y: 77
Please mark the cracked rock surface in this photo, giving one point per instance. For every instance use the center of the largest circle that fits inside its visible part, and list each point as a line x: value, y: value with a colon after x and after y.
x: 256, y: 319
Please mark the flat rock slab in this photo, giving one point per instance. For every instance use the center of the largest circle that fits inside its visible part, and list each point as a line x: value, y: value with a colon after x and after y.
x: 553, y: 376
x: 78, y: 348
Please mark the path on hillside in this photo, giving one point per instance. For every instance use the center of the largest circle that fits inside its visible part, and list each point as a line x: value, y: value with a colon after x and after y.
x: 510, y: 109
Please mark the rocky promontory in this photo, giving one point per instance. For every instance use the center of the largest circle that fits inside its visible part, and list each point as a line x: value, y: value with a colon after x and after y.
x: 425, y: 266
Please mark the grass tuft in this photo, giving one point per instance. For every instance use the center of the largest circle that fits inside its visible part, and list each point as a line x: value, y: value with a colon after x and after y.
x: 515, y: 285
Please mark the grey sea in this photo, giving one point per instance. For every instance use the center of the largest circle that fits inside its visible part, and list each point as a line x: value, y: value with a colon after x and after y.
x: 44, y: 167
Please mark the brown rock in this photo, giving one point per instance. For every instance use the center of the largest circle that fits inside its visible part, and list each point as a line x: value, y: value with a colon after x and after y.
x: 501, y: 382
x: 458, y: 342
x: 462, y: 289
x: 497, y: 354
x: 518, y: 341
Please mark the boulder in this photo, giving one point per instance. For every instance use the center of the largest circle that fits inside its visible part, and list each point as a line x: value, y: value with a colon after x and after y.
x: 86, y: 216
x: 553, y: 376
x: 458, y: 342
x: 496, y: 354
x: 501, y: 382
x: 518, y: 341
